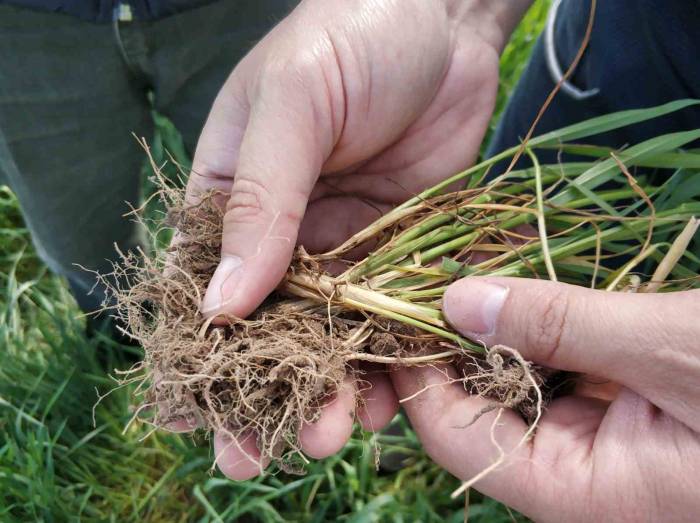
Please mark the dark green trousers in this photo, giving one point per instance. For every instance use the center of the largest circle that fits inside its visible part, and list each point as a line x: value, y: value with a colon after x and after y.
x: 72, y: 93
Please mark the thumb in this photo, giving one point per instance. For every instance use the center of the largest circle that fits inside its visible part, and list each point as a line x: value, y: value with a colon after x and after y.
x: 643, y: 341
x: 277, y: 166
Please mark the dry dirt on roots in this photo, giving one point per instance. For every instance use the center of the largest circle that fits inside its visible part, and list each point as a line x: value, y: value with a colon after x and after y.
x: 268, y: 374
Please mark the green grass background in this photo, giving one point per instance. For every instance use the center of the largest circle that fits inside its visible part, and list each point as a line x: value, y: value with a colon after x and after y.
x: 57, y: 465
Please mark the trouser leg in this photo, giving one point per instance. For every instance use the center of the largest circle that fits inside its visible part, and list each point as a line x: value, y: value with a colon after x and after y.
x: 68, y: 106
x: 196, y: 50
x: 641, y: 53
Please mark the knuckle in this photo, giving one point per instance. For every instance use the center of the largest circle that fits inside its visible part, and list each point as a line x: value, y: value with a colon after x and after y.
x: 281, y: 73
x: 248, y: 201
x: 272, y: 72
x: 301, y: 70
x: 251, y: 201
x: 549, y: 321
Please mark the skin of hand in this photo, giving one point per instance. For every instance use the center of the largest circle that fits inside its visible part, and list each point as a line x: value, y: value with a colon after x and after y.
x: 344, y: 109
x: 634, y: 456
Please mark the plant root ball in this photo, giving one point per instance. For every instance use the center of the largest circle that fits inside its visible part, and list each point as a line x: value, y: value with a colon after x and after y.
x: 268, y: 375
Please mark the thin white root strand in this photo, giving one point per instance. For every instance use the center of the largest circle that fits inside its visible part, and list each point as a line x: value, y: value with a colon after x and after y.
x: 526, y: 437
x: 501, y: 458
x: 431, y: 386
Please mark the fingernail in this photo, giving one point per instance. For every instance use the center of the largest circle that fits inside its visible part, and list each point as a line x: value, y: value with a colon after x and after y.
x: 221, y: 286
x: 472, y: 306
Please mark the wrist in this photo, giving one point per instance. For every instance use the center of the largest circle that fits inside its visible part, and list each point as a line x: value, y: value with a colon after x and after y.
x: 494, y: 20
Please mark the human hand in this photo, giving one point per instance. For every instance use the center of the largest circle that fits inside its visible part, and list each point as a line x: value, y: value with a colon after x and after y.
x: 379, y: 98
x: 633, y: 458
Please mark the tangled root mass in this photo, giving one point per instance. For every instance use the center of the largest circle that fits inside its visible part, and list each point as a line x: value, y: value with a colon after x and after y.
x: 268, y: 374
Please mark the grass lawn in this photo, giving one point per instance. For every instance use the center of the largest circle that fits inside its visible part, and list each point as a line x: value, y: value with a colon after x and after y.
x: 57, y: 464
